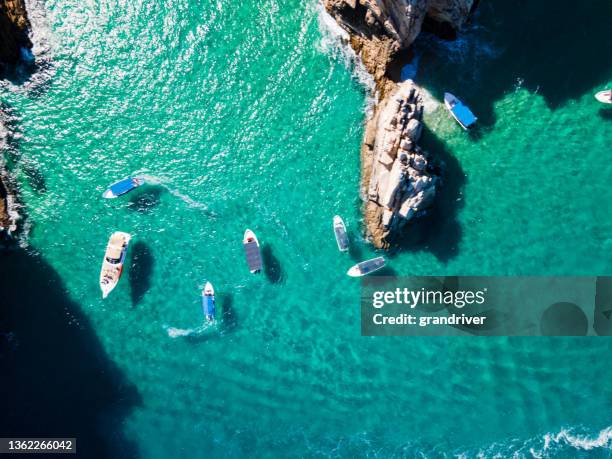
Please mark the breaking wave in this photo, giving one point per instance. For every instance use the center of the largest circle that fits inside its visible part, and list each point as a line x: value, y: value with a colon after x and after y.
x: 335, y: 43
x: 567, y: 442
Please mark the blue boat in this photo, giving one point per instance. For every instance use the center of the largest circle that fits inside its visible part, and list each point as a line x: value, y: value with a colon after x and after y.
x: 123, y: 186
x: 208, y: 302
x: 459, y: 110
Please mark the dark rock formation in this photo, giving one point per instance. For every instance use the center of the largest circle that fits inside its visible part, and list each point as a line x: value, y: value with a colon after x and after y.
x: 400, y: 183
x: 396, y: 180
x: 8, y: 206
x: 14, y: 42
x: 14, y: 27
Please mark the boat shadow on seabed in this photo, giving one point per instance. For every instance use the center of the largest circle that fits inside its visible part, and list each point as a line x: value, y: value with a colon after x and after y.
x: 271, y: 265
x: 605, y: 113
x: 140, y: 272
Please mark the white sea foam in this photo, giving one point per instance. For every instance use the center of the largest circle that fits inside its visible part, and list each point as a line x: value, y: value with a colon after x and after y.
x: 581, y: 442
x: 174, y: 332
x: 335, y: 43
x: 153, y: 180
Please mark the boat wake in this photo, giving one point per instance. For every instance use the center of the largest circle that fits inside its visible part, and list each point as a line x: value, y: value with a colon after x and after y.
x: 191, y: 203
x: 184, y: 332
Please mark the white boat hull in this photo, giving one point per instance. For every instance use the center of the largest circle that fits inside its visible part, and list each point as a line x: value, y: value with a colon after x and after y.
x: 110, y: 273
x: 252, y: 251
x: 366, y: 267
x: 605, y: 97
x: 340, y: 233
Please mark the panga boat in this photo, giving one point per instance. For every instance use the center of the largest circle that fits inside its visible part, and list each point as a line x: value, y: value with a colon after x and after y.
x: 605, y: 97
x: 340, y: 231
x: 366, y: 267
x: 251, y: 250
x: 208, y: 302
x: 123, y: 186
x: 460, y: 112
x: 112, y: 265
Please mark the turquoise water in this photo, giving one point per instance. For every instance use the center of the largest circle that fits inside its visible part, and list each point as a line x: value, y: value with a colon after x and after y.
x: 250, y: 116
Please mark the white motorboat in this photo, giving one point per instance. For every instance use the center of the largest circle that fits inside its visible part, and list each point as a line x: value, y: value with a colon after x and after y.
x: 366, y: 267
x: 112, y: 265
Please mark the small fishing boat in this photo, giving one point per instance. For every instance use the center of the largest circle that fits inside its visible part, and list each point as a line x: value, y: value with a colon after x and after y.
x: 605, y: 97
x: 123, y: 186
x: 459, y: 110
x: 252, y: 252
x: 112, y: 265
x: 208, y: 302
x: 366, y: 267
x: 340, y: 231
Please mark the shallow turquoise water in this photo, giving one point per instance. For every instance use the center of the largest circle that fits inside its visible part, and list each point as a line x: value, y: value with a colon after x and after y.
x: 247, y: 116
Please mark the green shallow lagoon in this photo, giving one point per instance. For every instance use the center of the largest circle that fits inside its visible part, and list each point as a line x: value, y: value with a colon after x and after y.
x: 250, y: 116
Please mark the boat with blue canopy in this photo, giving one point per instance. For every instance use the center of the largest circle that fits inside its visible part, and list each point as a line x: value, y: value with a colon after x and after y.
x: 123, y: 186
x: 208, y: 302
x: 460, y: 111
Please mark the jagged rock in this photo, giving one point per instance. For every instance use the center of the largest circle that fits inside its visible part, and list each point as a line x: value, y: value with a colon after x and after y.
x: 381, y: 28
x: 8, y: 215
x: 8, y: 203
x: 395, y: 179
x: 414, y: 129
x: 400, y: 186
x: 14, y: 26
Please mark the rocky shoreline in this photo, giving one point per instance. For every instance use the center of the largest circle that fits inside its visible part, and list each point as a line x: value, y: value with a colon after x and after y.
x: 14, y: 32
x: 398, y: 179
x: 14, y: 44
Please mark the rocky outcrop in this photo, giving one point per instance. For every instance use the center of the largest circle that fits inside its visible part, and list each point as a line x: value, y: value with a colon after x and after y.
x: 401, y: 182
x: 14, y: 27
x: 14, y: 45
x: 381, y: 29
x: 397, y: 178
x: 8, y: 214
x: 8, y: 207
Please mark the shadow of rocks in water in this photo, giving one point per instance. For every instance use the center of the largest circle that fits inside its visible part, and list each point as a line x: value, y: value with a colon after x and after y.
x: 146, y: 200
x: 438, y: 231
x: 141, y: 270
x: 57, y: 381
x: 271, y: 265
x: 544, y: 55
